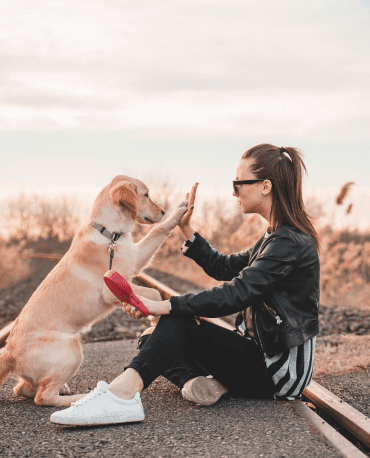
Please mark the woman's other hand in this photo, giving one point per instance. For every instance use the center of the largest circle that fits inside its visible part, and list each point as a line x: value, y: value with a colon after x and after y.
x: 184, y: 224
x: 155, y: 308
x: 133, y: 314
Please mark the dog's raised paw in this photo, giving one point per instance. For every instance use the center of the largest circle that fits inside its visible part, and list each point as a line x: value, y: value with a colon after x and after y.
x: 64, y: 389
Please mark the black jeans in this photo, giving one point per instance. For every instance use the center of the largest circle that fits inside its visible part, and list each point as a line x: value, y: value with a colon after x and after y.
x: 179, y: 349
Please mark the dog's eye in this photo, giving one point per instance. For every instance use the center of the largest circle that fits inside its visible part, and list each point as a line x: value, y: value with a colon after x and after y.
x: 146, y: 195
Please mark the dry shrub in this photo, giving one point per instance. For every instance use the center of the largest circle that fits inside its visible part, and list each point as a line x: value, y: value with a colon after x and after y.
x: 338, y: 354
x: 345, y: 256
x: 12, y: 266
x: 34, y: 216
x: 343, y: 192
x: 344, y: 266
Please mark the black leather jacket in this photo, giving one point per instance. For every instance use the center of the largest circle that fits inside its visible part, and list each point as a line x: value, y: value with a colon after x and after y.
x: 281, y: 271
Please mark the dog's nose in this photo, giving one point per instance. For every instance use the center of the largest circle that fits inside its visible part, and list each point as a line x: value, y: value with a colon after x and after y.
x: 163, y: 212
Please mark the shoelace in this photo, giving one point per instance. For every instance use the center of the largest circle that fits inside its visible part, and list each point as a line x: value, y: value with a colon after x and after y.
x: 93, y: 394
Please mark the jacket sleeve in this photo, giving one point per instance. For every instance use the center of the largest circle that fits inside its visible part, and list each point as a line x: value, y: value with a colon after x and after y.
x: 219, y: 266
x: 276, y: 260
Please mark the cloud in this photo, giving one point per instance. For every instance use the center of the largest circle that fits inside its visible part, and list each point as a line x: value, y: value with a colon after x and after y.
x: 207, y: 65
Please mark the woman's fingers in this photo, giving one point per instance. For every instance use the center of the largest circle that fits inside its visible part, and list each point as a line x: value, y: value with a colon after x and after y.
x: 133, y: 313
x: 193, y: 194
x: 185, y: 220
x: 137, y: 315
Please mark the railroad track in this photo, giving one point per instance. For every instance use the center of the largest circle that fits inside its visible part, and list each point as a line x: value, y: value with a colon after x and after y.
x: 349, y: 419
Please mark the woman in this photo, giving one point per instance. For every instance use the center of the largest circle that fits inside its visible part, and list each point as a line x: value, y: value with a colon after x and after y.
x: 274, y: 286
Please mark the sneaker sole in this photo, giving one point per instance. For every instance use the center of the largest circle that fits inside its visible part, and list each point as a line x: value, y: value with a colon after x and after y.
x: 205, y: 391
x: 76, y: 422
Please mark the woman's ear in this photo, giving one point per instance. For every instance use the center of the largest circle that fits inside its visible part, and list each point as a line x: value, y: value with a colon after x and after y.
x: 125, y: 195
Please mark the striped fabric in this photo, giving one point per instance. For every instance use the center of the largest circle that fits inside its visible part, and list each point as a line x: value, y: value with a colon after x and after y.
x: 291, y: 370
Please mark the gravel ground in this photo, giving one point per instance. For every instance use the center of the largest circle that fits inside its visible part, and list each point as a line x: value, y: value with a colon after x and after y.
x: 353, y: 388
x: 173, y: 427
x: 341, y: 320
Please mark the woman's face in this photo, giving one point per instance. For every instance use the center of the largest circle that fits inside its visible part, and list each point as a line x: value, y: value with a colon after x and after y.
x: 250, y: 196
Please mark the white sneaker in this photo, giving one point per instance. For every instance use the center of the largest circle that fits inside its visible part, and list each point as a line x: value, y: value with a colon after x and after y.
x: 100, y: 407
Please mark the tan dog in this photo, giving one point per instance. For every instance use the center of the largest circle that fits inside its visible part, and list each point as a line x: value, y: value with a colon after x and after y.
x: 43, y: 349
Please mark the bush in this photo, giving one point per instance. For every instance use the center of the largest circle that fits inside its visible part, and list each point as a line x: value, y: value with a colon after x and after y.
x: 345, y: 256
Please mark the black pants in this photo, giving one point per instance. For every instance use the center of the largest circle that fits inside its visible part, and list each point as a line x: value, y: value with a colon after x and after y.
x: 179, y: 349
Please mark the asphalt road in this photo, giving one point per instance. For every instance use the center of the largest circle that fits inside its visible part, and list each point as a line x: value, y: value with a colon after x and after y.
x: 173, y: 426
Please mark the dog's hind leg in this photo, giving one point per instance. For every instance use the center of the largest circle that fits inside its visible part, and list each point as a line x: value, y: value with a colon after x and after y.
x: 53, y: 384
x: 48, y: 395
x: 25, y: 388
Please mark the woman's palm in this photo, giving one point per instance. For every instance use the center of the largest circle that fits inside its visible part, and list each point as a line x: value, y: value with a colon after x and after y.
x: 185, y: 220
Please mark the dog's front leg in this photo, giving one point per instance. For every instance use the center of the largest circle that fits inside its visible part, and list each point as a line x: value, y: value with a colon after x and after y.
x: 148, y: 245
x: 152, y: 241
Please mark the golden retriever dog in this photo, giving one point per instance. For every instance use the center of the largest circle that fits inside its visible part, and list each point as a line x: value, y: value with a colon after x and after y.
x: 43, y: 350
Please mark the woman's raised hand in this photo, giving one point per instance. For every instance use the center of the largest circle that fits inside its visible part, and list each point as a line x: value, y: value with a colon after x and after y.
x: 185, y: 221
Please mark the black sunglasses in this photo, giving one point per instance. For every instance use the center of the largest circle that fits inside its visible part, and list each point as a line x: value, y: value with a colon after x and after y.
x: 236, y: 183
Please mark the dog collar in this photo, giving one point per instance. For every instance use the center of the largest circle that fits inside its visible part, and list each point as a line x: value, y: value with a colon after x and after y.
x: 103, y: 230
x: 112, y: 236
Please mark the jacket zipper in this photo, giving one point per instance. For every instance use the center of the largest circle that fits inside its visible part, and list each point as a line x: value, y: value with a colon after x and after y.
x: 278, y: 321
x: 277, y: 318
x: 258, y: 334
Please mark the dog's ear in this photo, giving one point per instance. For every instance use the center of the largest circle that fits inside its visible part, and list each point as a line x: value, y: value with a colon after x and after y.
x: 125, y: 194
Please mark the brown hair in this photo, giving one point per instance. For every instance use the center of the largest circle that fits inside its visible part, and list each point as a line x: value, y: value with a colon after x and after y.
x: 272, y: 163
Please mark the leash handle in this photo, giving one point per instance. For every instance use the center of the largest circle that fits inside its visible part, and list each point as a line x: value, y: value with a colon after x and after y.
x: 123, y: 291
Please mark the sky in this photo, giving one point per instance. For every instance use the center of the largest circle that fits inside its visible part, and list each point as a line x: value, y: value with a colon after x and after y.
x: 94, y: 88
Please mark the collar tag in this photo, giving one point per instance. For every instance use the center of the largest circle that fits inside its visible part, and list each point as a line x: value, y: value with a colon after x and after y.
x: 112, y: 246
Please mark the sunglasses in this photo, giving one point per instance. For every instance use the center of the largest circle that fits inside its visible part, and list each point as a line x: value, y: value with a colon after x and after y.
x: 237, y: 183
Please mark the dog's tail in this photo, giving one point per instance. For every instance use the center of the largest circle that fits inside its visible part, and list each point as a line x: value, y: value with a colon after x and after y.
x: 6, y: 365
